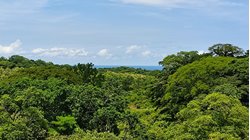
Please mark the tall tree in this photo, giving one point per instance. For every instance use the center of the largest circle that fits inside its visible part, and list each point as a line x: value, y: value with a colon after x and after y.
x: 172, y: 62
x: 226, y: 50
x: 88, y: 73
x: 216, y: 116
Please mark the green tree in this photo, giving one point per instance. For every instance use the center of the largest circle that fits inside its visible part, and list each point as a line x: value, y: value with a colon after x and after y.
x: 225, y: 50
x: 47, y: 72
x: 20, y: 61
x: 65, y: 125
x: 84, y: 101
x: 88, y: 73
x: 196, y: 96
x: 215, y: 116
x: 172, y: 62
x: 201, y: 77
x: 21, y: 123
x: 88, y: 135
x: 105, y: 120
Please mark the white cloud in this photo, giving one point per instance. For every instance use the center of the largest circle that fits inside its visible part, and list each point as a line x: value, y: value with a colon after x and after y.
x: 13, y: 48
x: 104, y: 53
x: 132, y: 49
x: 60, y: 52
x: 146, y: 53
x: 181, y: 3
x: 151, y: 2
x: 138, y: 51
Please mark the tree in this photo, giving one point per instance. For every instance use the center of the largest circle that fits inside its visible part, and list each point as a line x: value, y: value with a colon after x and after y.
x: 172, y: 62
x: 88, y: 73
x: 196, y: 96
x: 84, y: 101
x: 225, y: 50
x: 65, y: 125
x: 47, y: 72
x: 247, y: 53
x: 105, y: 119
x: 21, y: 123
x: 202, y: 77
x: 20, y: 61
x: 217, y: 116
x: 95, y: 108
x: 88, y: 135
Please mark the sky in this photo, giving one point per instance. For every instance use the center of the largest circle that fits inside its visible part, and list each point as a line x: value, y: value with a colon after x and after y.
x: 118, y: 32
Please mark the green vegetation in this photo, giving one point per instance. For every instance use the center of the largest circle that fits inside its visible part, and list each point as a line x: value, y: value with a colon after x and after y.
x: 195, y: 96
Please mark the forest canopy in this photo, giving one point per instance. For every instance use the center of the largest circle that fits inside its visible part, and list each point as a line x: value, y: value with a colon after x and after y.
x: 196, y: 96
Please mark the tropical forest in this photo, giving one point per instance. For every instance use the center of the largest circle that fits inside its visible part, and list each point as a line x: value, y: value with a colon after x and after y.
x: 196, y: 96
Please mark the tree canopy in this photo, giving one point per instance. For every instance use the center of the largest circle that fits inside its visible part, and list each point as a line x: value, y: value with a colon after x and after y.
x: 196, y: 96
x: 226, y: 50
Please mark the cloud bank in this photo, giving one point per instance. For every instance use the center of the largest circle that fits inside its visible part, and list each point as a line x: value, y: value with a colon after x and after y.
x: 131, y: 52
x: 13, y: 48
x: 60, y: 52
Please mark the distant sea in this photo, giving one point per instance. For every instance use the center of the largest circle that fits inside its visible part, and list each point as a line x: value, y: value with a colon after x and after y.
x: 136, y: 67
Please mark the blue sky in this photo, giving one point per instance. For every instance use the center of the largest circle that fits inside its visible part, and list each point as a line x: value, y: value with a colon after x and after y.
x: 118, y: 32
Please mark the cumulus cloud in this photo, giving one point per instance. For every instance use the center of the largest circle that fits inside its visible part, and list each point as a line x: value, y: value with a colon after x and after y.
x: 60, y: 52
x: 132, y: 49
x: 104, y: 53
x: 13, y: 48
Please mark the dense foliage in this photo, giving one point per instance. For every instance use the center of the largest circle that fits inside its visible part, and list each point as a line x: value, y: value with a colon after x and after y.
x: 195, y: 96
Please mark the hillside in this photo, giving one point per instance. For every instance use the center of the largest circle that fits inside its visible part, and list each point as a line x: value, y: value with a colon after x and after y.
x: 196, y: 96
